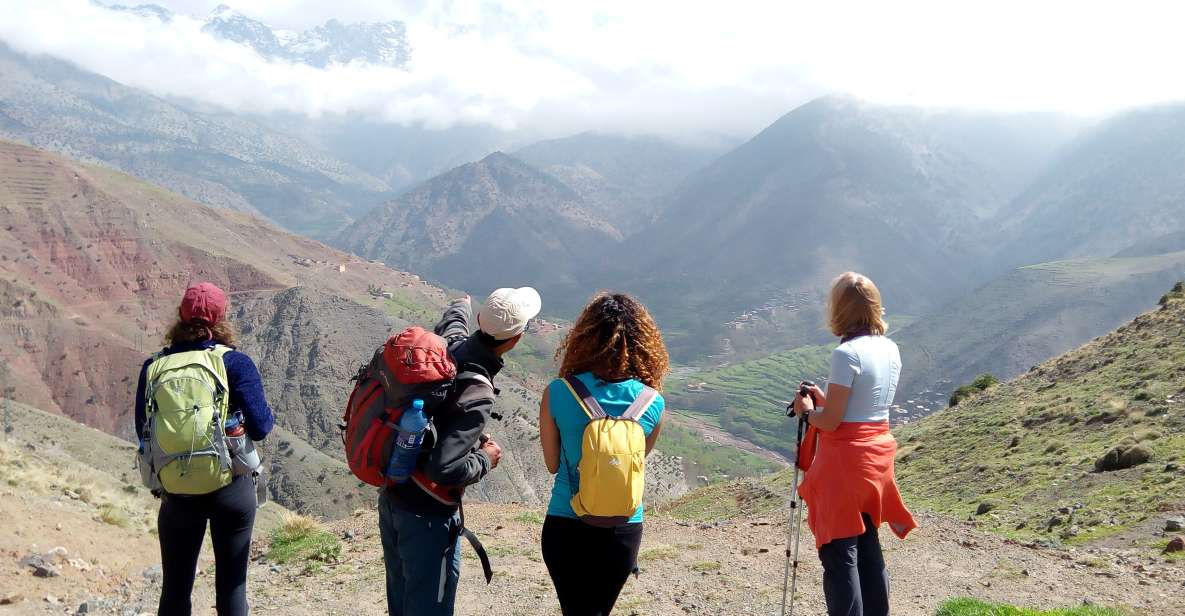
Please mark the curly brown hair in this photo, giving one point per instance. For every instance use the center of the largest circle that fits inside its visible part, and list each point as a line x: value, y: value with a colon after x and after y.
x: 221, y: 332
x: 615, y: 338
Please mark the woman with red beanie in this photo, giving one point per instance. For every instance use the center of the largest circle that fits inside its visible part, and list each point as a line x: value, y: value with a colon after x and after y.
x: 195, y: 390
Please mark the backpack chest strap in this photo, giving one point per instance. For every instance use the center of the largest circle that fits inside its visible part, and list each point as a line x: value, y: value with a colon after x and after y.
x: 593, y: 409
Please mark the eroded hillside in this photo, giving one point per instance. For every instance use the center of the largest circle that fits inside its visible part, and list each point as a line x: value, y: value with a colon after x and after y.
x: 92, y: 265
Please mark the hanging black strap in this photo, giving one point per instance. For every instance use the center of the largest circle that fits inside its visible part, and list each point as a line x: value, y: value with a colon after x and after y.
x: 471, y: 537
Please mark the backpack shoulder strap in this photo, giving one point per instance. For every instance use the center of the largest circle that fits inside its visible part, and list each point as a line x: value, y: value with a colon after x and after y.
x: 475, y: 376
x: 584, y: 397
x: 473, y: 387
x: 641, y: 403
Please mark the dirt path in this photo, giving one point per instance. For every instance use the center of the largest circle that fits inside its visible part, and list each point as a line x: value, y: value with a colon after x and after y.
x: 715, y: 434
x: 734, y: 568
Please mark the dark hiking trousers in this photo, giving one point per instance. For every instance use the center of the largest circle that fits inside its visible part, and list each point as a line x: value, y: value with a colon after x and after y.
x: 182, y: 527
x: 855, y: 580
x: 589, y: 565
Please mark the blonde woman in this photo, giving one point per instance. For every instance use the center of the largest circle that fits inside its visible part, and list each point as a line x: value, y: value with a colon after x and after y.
x: 849, y: 487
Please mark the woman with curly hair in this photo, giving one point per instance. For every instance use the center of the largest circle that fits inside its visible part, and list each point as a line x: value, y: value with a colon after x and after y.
x: 612, y: 364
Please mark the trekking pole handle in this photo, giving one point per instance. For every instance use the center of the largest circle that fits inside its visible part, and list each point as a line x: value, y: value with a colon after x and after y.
x: 804, y: 390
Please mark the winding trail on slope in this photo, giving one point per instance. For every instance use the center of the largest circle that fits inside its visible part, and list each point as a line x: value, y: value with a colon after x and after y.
x: 719, y: 436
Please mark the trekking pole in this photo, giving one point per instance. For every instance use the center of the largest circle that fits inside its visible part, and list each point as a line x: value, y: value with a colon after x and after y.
x: 790, y: 576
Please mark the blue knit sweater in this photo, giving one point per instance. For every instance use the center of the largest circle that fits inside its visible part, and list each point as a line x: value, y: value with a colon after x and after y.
x: 246, y: 390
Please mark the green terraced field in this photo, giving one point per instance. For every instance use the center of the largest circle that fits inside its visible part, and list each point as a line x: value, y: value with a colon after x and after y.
x: 749, y: 398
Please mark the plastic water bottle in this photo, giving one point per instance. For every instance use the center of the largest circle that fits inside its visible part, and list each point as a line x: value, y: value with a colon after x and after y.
x: 408, y: 439
x: 234, y: 426
x: 244, y: 459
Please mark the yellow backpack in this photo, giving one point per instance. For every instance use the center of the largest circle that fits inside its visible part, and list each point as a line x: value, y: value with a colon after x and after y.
x: 612, y: 465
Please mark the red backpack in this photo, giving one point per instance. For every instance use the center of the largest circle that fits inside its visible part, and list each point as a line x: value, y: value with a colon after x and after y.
x: 412, y: 364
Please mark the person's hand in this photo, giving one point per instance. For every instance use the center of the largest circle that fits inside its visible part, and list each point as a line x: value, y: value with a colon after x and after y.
x: 802, y: 405
x: 819, y: 397
x: 493, y: 451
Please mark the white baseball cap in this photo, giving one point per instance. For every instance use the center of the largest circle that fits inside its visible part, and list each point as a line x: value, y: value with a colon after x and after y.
x: 506, y: 312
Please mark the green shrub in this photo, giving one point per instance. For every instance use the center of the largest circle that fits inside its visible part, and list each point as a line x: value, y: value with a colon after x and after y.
x: 980, y: 383
x: 300, y: 538
x: 529, y: 517
x: 975, y: 607
x: 113, y: 516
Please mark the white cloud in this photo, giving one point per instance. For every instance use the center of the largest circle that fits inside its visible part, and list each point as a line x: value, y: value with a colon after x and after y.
x: 661, y: 66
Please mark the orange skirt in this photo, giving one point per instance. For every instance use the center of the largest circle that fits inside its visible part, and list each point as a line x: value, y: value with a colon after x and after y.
x: 850, y: 472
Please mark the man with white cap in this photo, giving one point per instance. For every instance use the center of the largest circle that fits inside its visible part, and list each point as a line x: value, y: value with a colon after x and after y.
x: 421, y: 525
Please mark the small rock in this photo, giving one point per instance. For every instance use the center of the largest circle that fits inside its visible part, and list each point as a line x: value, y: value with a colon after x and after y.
x: 12, y: 598
x: 71, y: 494
x: 348, y: 535
x: 153, y: 573
x: 1170, y: 467
x: 1173, y: 525
x: 984, y: 507
x: 275, y: 568
x: 1054, y: 521
x: 1064, y: 510
x: 1176, y: 544
x: 52, y: 600
x: 46, y: 570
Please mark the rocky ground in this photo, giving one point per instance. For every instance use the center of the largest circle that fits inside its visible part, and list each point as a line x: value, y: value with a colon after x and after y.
x: 729, y: 567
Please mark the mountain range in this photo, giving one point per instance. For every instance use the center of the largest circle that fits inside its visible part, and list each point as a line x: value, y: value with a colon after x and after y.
x: 334, y: 42
x: 731, y: 248
x: 211, y: 156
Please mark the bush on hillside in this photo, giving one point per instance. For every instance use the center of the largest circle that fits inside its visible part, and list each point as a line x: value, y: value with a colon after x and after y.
x: 1177, y: 292
x: 980, y: 383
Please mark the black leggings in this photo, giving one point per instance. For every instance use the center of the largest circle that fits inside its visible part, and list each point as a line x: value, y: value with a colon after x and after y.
x: 587, y: 564
x: 855, y: 580
x: 182, y: 527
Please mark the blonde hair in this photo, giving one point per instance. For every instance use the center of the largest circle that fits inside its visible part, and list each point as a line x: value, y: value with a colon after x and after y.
x: 615, y: 338
x: 855, y: 306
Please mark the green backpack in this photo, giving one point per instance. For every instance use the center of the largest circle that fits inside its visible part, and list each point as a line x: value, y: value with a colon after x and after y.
x: 184, y: 449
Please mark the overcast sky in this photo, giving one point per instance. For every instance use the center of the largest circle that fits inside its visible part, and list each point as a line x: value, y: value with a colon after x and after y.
x: 644, y: 66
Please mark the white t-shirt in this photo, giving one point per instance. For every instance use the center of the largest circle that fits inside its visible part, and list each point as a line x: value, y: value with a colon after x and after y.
x: 870, y: 366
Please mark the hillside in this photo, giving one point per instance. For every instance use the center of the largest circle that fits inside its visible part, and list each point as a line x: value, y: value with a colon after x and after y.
x: 1024, y: 317
x: 1116, y: 186
x: 491, y: 223
x: 210, y: 156
x: 1023, y: 454
x: 623, y: 180
x: 93, y: 265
